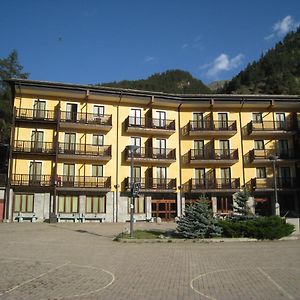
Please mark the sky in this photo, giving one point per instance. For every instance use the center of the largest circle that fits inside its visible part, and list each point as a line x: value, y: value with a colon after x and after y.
x: 90, y: 41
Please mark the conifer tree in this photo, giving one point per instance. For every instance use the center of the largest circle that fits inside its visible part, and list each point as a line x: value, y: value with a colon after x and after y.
x: 241, y: 206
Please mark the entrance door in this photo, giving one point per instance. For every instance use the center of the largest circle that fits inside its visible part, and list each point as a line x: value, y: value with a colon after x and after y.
x: 164, y: 209
x: 37, y: 138
x: 35, y: 173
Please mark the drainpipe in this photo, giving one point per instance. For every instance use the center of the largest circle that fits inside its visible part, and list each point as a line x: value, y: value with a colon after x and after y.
x: 179, y: 161
x: 241, y: 139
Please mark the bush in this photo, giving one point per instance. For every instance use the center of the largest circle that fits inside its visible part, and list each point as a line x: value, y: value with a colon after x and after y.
x: 271, y: 228
x: 198, y: 222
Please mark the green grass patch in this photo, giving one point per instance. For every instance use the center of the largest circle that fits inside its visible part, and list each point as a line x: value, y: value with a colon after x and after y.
x: 142, y: 234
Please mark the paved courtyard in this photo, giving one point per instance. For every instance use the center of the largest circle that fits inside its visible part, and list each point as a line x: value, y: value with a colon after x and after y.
x: 80, y: 261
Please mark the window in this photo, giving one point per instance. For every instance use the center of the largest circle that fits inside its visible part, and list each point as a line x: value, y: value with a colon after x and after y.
x: 98, y: 111
x: 225, y: 176
x: 198, y: 120
x: 257, y: 117
x: 97, y: 170
x: 136, y: 141
x: 200, y: 176
x: 70, y: 142
x: 71, y: 112
x: 95, y: 204
x: 261, y: 172
x: 224, y: 148
x: 68, y: 204
x: 160, y: 119
x: 137, y: 172
x: 161, y: 145
x: 98, y: 140
x: 259, y: 145
x: 199, y: 148
x: 139, y: 205
x: 39, y: 109
x: 280, y: 120
x: 37, y: 138
x: 135, y: 117
x: 222, y: 120
x: 35, y: 173
x: 23, y: 203
x: 69, y: 174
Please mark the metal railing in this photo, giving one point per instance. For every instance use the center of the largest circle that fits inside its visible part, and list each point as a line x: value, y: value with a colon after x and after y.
x: 35, y: 114
x: 33, y: 147
x: 31, y: 180
x: 214, y: 183
x: 84, y: 149
x: 85, y: 118
x: 83, y: 181
x: 266, y: 153
x: 150, y: 123
x: 282, y: 183
x: 205, y: 125
x: 287, y: 125
x: 214, y: 154
x: 152, y: 153
x: 153, y: 183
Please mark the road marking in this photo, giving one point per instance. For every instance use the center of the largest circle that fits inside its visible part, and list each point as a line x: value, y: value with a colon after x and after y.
x: 275, y: 283
x: 32, y: 279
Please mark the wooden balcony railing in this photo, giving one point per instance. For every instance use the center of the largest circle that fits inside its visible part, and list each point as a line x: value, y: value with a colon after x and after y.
x: 152, y: 153
x: 264, y: 154
x: 84, y: 149
x: 153, y: 183
x: 149, y: 123
x: 35, y: 114
x: 208, y: 125
x: 84, y: 181
x: 33, y: 147
x: 214, y: 184
x: 268, y: 183
x: 214, y: 154
x: 85, y: 118
x: 31, y: 180
x: 273, y: 126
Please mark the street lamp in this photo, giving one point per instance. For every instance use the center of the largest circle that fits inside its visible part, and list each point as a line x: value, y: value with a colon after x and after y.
x: 273, y: 159
x: 132, y: 149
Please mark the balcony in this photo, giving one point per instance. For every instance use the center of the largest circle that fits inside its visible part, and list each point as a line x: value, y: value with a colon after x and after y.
x: 83, y: 183
x: 149, y: 126
x: 210, y: 128
x: 219, y: 157
x: 153, y: 184
x: 152, y: 155
x: 271, y: 128
x: 85, y: 121
x: 213, y: 185
x: 267, y: 184
x: 31, y: 180
x: 33, y: 147
x: 258, y: 157
x: 27, y: 115
x: 84, y: 152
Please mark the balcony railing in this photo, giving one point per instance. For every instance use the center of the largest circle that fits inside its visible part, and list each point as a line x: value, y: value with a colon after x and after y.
x: 31, y: 180
x: 84, y: 149
x: 214, y: 154
x: 33, y: 147
x: 152, y: 153
x: 208, y: 125
x: 264, y: 154
x: 35, y: 114
x: 149, y: 123
x: 273, y: 126
x: 85, y: 118
x: 214, y: 184
x: 153, y: 183
x: 83, y: 181
x: 268, y: 183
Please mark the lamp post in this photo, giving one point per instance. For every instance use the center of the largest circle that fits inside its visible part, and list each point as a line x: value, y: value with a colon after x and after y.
x: 132, y: 149
x: 273, y: 159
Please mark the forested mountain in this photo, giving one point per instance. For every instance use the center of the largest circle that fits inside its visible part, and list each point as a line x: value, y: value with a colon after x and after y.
x: 276, y: 72
x: 172, y: 81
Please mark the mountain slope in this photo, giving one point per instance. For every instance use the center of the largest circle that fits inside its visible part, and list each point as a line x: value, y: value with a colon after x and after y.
x: 172, y: 81
x: 276, y: 72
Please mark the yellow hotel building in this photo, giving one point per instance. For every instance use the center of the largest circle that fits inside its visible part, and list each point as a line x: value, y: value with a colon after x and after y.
x: 69, y: 158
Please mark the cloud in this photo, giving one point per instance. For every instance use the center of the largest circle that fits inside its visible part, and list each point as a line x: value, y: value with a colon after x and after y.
x: 282, y: 27
x: 148, y: 58
x: 184, y: 46
x: 222, y: 63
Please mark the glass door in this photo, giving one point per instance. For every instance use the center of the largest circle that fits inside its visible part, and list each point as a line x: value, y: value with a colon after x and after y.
x: 225, y: 178
x: 199, y: 149
x: 161, y: 177
x: 200, y: 178
x: 224, y: 149
x: 284, y: 178
x: 35, y: 173
x: 222, y: 120
x: 161, y: 148
x: 37, y: 138
x: 161, y: 119
x: 135, y: 118
x: 198, y: 121
x: 280, y: 121
x: 70, y: 143
x: 71, y: 112
x: 69, y: 174
x: 39, y: 109
x: 136, y: 141
x: 283, y: 149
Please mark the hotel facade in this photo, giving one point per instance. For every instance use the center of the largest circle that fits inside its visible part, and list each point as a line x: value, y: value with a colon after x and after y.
x: 69, y: 157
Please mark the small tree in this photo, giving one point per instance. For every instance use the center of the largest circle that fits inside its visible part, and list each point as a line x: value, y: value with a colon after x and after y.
x: 198, y: 222
x: 241, y: 207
